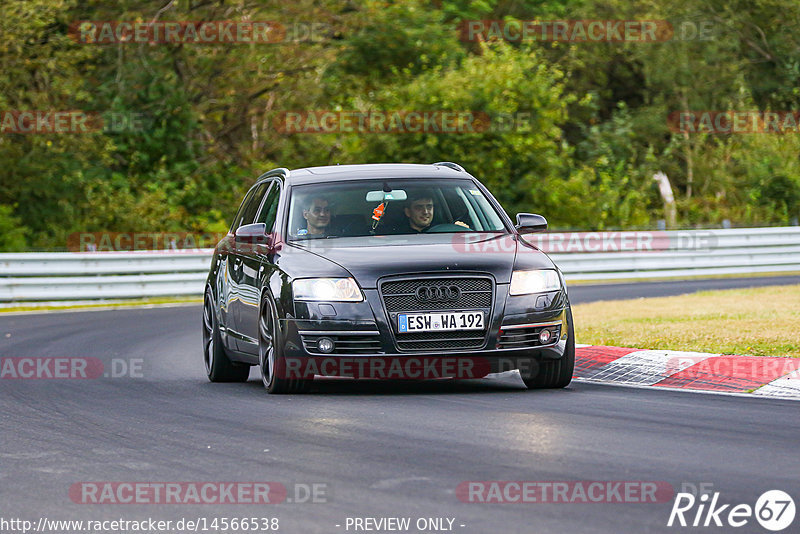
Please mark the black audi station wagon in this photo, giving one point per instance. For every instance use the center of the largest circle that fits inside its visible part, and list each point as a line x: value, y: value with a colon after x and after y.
x: 382, y: 271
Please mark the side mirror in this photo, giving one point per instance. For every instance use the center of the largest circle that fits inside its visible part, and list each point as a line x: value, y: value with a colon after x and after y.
x: 254, y: 234
x: 528, y: 223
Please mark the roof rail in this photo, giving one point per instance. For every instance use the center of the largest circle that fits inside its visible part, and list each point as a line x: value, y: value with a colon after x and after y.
x: 278, y: 171
x: 450, y: 164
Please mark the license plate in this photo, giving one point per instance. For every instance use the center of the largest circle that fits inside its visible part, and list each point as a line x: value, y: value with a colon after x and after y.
x: 439, y: 322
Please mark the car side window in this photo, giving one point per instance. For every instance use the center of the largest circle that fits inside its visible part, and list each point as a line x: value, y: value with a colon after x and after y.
x: 238, y: 216
x: 250, y: 205
x: 269, y: 209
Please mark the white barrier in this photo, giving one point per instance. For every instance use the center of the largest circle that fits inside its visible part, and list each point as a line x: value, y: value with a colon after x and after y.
x: 102, y: 275
x: 105, y: 275
x: 680, y: 254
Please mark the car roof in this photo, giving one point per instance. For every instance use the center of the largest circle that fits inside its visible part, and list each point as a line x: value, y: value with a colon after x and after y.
x: 338, y: 173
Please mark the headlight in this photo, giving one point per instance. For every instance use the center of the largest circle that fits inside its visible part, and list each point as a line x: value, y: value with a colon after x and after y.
x: 528, y: 282
x: 329, y: 289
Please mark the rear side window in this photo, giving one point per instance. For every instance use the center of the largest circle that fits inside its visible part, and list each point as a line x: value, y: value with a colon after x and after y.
x: 248, y: 209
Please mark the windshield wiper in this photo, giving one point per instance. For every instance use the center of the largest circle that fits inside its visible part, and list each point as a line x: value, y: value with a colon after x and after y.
x: 312, y: 238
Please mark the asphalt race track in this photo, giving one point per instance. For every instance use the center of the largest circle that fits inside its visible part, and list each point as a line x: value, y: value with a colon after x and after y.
x: 377, y: 449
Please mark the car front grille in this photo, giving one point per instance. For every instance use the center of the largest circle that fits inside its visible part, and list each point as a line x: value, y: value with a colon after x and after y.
x: 527, y: 336
x: 344, y: 344
x: 476, y: 293
x: 400, y: 296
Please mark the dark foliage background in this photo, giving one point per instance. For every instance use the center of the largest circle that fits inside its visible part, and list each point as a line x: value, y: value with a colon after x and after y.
x: 598, y: 111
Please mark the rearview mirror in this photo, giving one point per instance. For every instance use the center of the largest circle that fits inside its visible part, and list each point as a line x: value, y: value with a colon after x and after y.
x: 380, y: 196
x: 528, y: 223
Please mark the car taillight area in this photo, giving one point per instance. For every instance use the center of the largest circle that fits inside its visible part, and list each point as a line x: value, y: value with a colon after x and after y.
x: 438, y: 312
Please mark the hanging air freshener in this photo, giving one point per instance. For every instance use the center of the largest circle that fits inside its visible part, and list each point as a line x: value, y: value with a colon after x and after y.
x: 377, y: 213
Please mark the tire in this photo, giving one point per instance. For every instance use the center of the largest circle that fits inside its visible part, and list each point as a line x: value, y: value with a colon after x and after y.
x: 270, y: 352
x: 219, y: 368
x: 553, y: 374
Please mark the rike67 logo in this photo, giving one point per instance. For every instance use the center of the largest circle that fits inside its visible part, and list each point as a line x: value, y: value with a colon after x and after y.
x: 774, y: 510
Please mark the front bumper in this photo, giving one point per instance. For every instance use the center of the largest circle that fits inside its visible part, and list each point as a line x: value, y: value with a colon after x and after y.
x: 361, y: 331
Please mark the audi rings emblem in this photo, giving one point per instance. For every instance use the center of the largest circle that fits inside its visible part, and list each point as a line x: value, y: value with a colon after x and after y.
x: 438, y: 293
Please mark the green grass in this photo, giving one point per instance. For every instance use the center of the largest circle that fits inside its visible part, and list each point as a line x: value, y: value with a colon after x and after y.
x: 760, y: 322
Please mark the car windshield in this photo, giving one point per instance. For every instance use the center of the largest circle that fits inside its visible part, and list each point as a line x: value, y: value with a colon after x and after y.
x: 389, y: 207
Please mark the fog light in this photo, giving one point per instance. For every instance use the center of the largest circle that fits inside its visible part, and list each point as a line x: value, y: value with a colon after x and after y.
x: 325, y: 344
x: 544, y: 336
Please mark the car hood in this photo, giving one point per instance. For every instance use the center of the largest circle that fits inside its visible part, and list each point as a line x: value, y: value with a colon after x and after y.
x: 371, y: 258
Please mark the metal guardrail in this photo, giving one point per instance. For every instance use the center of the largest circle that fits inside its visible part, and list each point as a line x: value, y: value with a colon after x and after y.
x: 581, y: 256
x: 689, y: 253
x: 102, y: 275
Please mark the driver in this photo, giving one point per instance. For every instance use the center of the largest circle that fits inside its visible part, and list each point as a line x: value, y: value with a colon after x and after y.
x: 419, y: 211
x: 317, y: 214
